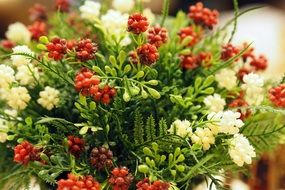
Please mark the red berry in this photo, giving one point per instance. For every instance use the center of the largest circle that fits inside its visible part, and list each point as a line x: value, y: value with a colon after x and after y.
x: 101, y: 157
x: 259, y: 63
x: 120, y: 178
x: 189, y: 62
x: 62, y: 5
x: 248, y: 53
x: 57, y: 48
x: 37, y: 29
x: 75, y: 145
x: 157, y: 36
x: 137, y: 23
x: 277, y: 95
x: 205, y: 59
x: 25, y: 152
x: 78, y: 183
x: 147, y: 54
x: 7, y: 44
x: 38, y: 13
x: 85, y: 50
x: 242, y: 72
x: 240, y: 102
x: 229, y: 51
x: 156, y: 185
x: 190, y: 32
x: 203, y: 16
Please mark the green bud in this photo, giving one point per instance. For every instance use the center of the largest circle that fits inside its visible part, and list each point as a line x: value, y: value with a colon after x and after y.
x: 144, y: 94
x: 44, y: 157
x: 97, y: 70
x: 143, y: 169
x: 134, y: 90
x: 140, y: 74
x: 113, y: 60
x: 147, y: 151
x: 154, y: 146
x: 127, y: 68
x: 43, y: 39
x: 154, y: 93
x: 208, y: 81
x: 209, y: 90
x: 185, y: 52
x: 180, y: 158
x: 180, y: 168
x: 122, y: 56
x: 152, y: 82
x: 173, y: 172
x: 41, y: 47
x: 126, y: 96
x: 186, y: 40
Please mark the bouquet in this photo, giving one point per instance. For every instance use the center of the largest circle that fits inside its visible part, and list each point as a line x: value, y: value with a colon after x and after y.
x: 110, y: 96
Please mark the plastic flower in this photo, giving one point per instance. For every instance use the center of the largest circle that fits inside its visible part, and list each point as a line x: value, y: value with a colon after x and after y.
x: 18, y: 33
x: 7, y: 76
x: 181, y: 128
x: 253, y: 84
x: 49, y: 98
x: 3, y: 130
x: 240, y: 150
x: 90, y: 10
x: 27, y: 74
x: 226, y: 78
x: 18, y: 98
x: 123, y: 5
x: 204, y: 137
x: 18, y: 60
x: 215, y: 103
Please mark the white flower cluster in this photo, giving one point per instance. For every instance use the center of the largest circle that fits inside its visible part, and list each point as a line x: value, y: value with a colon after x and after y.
x: 228, y: 122
x: 3, y: 130
x: 18, y: 33
x: 90, y: 10
x: 7, y: 76
x: 49, y: 98
x: 181, y: 128
x: 253, y: 84
x: 226, y: 78
x: 18, y: 98
x: 240, y: 150
x: 123, y: 5
x: 18, y: 60
x: 215, y: 103
x: 27, y: 74
x: 204, y: 137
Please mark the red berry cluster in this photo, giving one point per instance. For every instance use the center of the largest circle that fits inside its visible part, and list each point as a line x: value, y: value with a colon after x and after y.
x: 78, y: 183
x: 229, y: 51
x: 259, y: 63
x: 85, y: 50
x: 120, y: 178
x: 38, y: 13
x: 25, y: 152
x: 75, y: 145
x: 147, y: 54
x: 87, y: 83
x: 277, y: 95
x: 156, y: 185
x: 101, y: 157
x: 189, y: 31
x: 203, y: 16
x: 7, y: 44
x: 157, y: 36
x: 137, y: 23
x: 240, y: 102
x: 189, y: 62
x: 38, y: 29
x: 205, y: 59
x: 62, y: 5
x: 57, y: 48
x: 243, y: 71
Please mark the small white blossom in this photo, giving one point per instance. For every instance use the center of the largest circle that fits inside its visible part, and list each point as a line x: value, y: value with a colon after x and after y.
x: 18, y: 60
x: 49, y: 98
x: 123, y: 5
x: 240, y: 150
x: 149, y: 15
x: 18, y: 33
x: 11, y: 112
x: 27, y: 74
x: 125, y: 41
x: 7, y: 76
x: 226, y: 78
x: 181, y: 128
x: 4, y: 92
x: 254, y: 93
x: 215, y: 103
x: 3, y: 130
x: 115, y: 22
x: 90, y: 10
x: 18, y: 98
x: 204, y: 137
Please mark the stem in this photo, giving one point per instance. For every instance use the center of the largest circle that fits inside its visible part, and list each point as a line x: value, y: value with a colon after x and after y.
x: 165, y: 11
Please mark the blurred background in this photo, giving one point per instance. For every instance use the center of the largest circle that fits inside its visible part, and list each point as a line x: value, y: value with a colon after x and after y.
x: 264, y: 27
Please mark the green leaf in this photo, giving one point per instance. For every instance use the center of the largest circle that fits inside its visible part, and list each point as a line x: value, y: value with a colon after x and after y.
x: 113, y: 60
x: 29, y: 121
x: 92, y: 106
x: 44, y: 40
x: 198, y: 83
x: 122, y: 56
x: 83, y: 130
x: 208, y: 81
x: 127, y: 68
x: 209, y: 90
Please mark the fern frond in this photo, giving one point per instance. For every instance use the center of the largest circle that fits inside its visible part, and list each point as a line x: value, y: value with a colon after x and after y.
x: 162, y: 127
x: 150, y: 128
x: 138, y: 128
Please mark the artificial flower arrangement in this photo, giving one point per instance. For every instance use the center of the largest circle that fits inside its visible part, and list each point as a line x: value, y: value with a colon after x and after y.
x: 96, y: 98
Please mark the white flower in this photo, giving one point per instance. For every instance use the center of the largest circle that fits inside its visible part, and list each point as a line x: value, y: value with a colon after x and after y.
x: 204, y: 137
x: 3, y: 130
x: 181, y: 128
x: 215, y: 103
x: 4, y: 92
x: 7, y: 76
x: 115, y: 22
x: 49, y: 98
x: 18, y: 98
x: 90, y: 10
x: 18, y: 33
x: 11, y: 112
x: 227, y: 121
x: 26, y: 74
x: 240, y: 150
x: 149, y: 15
x: 123, y: 5
x: 226, y: 78
x: 254, y: 93
x: 18, y: 60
